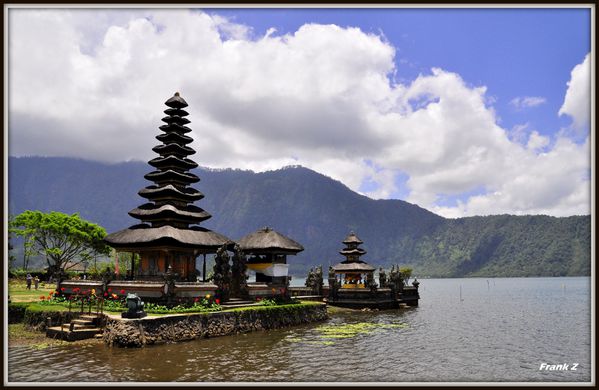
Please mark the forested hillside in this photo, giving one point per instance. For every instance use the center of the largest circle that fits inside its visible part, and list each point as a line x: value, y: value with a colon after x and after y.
x: 317, y: 212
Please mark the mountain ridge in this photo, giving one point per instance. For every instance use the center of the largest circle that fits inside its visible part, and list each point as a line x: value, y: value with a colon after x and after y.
x: 318, y: 212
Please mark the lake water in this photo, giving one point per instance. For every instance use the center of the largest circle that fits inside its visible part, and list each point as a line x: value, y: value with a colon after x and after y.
x: 500, y: 330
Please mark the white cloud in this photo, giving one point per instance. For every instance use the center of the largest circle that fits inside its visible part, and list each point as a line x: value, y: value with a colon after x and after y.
x: 577, y: 102
x: 527, y: 101
x: 537, y: 141
x: 320, y: 97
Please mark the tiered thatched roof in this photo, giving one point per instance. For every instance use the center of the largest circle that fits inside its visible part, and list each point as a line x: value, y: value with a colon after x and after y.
x: 352, y: 252
x: 167, y: 218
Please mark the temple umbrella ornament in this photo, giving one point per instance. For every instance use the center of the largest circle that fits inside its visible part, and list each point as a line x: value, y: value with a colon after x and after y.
x: 169, y: 233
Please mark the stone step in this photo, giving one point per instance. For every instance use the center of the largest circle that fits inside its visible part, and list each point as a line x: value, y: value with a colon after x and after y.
x: 82, y: 322
x: 88, y: 317
x: 79, y: 334
x: 80, y: 326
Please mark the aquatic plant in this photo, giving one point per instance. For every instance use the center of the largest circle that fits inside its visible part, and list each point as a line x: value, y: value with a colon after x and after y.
x: 342, y: 331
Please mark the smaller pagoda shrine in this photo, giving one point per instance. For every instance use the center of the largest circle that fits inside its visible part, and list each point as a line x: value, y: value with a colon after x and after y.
x: 267, y: 252
x: 351, y: 282
x: 353, y: 272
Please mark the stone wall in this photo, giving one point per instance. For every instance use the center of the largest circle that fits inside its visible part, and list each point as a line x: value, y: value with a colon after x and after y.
x: 174, y: 328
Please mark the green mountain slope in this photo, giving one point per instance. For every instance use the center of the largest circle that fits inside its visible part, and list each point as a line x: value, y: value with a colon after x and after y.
x: 318, y: 212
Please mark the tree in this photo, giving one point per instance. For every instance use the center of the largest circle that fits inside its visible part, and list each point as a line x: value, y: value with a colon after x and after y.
x: 406, y: 272
x: 65, y: 240
x: 11, y: 257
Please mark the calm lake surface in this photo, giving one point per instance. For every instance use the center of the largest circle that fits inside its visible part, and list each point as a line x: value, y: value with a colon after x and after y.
x: 502, y: 330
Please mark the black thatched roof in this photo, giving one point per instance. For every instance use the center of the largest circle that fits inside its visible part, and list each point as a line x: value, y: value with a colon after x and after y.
x: 171, y: 176
x: 354, y: 251
x: 146, y: 236
x: 169, y: 191
x: 172, y: 162
x: 352, y: 238
x: 354, y: 266
x: 267, y: 240
x: 174, y: 118
x: 151, y: 212
x: 174, y: 137
x: 175, y: 127
x: 176, y: 101
x: 176, y: 149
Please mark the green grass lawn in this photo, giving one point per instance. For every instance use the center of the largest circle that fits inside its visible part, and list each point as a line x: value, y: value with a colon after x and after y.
x: 17, y: 289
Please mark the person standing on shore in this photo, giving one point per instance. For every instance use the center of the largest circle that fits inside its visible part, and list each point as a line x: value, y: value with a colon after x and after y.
x: 36, y: 282
x: 28, y: 279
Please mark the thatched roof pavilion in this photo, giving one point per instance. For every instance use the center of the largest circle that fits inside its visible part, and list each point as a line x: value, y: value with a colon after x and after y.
x: 268, y: 250
x: 168, y: 234
x: 267, y: 240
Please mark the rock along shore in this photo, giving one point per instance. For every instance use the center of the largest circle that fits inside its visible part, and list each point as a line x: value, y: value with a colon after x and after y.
x: 173, y: 328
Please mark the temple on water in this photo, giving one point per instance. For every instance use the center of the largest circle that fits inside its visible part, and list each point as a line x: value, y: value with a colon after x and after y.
x: 165, y: 245
x: 352, y: 283
x: 353, y: 272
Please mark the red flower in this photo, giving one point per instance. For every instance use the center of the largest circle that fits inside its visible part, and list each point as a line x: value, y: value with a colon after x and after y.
x: 217, y: 301
x: 42, y: 297
x: 62, y: 289
x: 258, y: 299
x: 105, y: 294
x: 123, y: 292
x: 109, y: 290
x: 196, y: 299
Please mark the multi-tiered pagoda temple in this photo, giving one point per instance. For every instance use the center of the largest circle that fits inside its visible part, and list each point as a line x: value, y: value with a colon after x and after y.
x: 351, y: 282
x: 169, y: 235
x: 353, y: 271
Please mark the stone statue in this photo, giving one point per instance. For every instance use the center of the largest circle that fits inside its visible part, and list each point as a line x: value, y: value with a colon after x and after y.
x: 239, y: 286
x: 319, y: 280
x: 415, y: 283
x: 382, y: 277
x: 332, y: 284
x: 370, y: 283
x: 222, y: 274
x: 169, y: 286
x: 310, y: 278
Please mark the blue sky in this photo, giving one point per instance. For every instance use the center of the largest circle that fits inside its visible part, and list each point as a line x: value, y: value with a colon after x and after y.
x: 461, y: 111
x: 514, y: 52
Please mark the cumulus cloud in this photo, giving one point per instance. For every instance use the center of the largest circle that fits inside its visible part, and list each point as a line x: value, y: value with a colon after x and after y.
x: 322, y: 97
x: 577, y: 102
x: 527, y: 101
